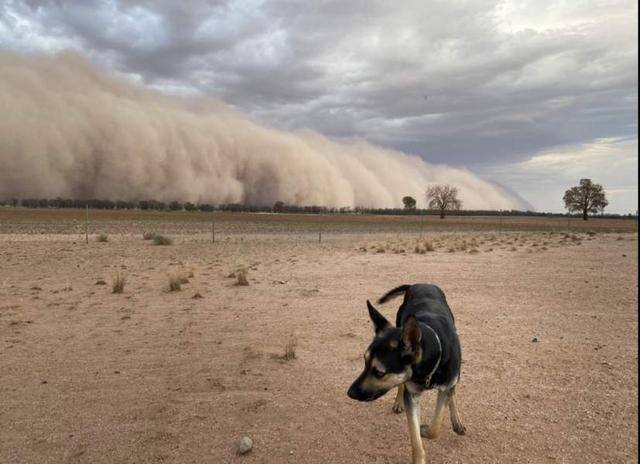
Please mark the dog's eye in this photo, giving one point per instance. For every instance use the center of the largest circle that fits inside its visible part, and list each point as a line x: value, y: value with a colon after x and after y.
x: 378, y: 374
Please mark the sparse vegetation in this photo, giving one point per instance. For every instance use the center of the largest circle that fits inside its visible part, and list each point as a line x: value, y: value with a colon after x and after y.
x: 148, y: 235
x: 102, y: 238
x: 161, y: 240
x: 175, y: 283
x: 425, y: 246
x: 290, y: 349
x: 118, y: 283
x: 241, y: 277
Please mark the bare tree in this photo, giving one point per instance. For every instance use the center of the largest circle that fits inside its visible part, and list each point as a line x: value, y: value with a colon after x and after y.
x: 586, y: 197
x: 443, y: 197
x: 409, y: 203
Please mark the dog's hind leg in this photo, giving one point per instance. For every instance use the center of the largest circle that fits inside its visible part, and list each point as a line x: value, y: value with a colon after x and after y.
x: 434, y: 428
x: 398, y: 404
x: 412, y: 408
x: 455, y: 414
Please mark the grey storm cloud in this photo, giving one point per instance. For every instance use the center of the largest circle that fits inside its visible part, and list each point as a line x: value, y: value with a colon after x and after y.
x: 474, y: 83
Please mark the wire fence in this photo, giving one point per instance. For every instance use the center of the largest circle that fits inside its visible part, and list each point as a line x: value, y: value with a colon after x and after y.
x: 217, y: 226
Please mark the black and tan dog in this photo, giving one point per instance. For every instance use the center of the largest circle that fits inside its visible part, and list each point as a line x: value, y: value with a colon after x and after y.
x: 421, y: 352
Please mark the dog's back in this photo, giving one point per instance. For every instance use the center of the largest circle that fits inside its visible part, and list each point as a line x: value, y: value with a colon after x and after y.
x: 419, y: 300
x: 429, y: 305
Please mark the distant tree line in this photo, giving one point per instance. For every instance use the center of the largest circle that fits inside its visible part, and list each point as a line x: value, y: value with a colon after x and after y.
x: 278, y: 207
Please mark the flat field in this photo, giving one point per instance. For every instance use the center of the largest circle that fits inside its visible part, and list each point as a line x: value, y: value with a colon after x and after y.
x: 149, y: 375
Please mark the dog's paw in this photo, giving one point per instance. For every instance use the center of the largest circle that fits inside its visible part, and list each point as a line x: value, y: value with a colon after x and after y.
x: 459, y: 429
x: 426, y: 433
x: 397, y: 407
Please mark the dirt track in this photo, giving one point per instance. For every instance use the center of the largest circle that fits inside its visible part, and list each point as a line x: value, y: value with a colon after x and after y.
x: 151, y: 376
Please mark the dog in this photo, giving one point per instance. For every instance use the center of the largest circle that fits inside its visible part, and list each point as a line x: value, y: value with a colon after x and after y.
x: 422, y: 352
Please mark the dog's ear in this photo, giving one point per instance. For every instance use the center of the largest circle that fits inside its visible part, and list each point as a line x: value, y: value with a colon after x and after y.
x: 380, y: 323
x: 411, y: 338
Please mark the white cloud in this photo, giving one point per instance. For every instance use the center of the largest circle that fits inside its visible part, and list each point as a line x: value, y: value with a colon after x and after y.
x: 542, y: 179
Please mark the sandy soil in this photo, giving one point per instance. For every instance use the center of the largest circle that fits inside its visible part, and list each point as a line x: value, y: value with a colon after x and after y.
x: 156, y: 376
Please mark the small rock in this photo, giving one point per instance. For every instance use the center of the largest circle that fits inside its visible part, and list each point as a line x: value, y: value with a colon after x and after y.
x: 246, y: 444
x: 534, y: 340
x: 197, y: 296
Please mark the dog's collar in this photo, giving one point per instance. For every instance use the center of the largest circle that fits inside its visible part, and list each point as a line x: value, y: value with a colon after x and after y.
x: 435, y: 368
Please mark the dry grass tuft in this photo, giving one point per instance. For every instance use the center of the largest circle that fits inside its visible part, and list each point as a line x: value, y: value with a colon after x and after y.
x: 175, y: 282
x: 241, y: 277
x: 161, y: 240
x: 118, y: 283
x: 290, y: 349
x: 426, y: 246
x: 102, y: 238
x: 148, y: 235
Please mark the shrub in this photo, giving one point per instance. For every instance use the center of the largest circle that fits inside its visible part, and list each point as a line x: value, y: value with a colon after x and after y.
x: 148, y: 235
x: 175, y: 283
x: 290, y: 349
x: 241, y: 277
x: 161, y: 240
x: 118, y: 284
x: 102, y: 238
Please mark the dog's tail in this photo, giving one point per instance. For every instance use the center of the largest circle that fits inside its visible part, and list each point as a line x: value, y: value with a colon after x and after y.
x: 393, y: 293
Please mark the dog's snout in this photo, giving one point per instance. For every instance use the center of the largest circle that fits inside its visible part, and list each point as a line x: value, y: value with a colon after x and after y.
x: 353, y: 392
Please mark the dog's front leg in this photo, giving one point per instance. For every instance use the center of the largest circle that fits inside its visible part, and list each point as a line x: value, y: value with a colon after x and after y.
x: 398, y: 404
x: 412, y: 408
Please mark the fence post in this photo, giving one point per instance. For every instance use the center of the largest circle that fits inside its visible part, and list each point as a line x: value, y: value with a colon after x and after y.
x: 320, y: 235
x: 213, y: 230
x: 86, y: 226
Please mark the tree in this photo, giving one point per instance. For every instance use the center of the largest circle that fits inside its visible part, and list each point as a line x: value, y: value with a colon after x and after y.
x: 443, y: 197
x: 586, y: 197
x: 278, y: 207
x: 409, y: 203
x: 175, y: 206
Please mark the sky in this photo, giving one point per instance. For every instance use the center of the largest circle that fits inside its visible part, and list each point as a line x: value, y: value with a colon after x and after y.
x: 532, y: 95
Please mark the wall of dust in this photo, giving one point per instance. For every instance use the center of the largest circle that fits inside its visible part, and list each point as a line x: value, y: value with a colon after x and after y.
x: 69, y: 129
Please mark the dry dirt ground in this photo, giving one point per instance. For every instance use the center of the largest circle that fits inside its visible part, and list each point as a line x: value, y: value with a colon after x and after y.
x: 149, y: 375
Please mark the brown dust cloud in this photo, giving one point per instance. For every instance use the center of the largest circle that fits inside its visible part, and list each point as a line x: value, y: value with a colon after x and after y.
x: 69, y: 129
